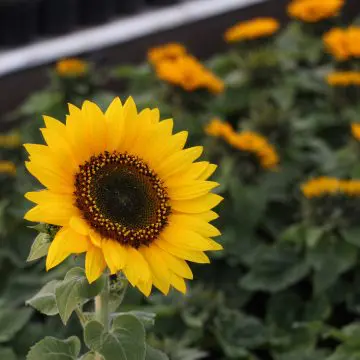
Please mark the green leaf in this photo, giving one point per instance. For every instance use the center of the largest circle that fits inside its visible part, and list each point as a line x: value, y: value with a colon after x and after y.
x: 7, y: 354
x: 44, y: 301
x: 238, y: 332
x: 147, y: 318
x: 276, y: 268
x: 12, y: 321
x: 51, y: 348
x: 330, y: 258
x: 93, y: 333
x: 352, y: 235
x: 40, y: 247
x: 89, y: 356
x: 75, y: 290
x: 124, y: 341
x: 154, y: 354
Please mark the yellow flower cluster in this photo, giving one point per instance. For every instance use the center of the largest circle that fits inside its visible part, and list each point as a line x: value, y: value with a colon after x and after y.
x: 323, y: 185
x: 188, y: 73
x: 343, y: 44
x: 247, y: 141
x: 355, y: 130
x: 71, y: 67
x: 252, y: 29
x: 7, y: 167
x: 10, y: 141
x: 170, y: 51
x: 343, y: 78
x: 314, y: 10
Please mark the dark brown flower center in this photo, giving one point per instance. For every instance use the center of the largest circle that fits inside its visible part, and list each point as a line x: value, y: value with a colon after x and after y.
x: 122, y: 198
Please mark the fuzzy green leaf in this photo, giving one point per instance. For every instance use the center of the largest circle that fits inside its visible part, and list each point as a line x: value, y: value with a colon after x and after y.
x: 74, y: 290
x: 51, y: 348
x: 12, y: 321
x: 124, y: 341
x: 44, y: 301
x: 40, y: 247
x: 7, y: 354
x: 154, y: 354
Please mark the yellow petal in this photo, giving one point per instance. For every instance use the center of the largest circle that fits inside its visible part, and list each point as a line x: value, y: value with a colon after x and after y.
x: 136, y: 269
x: 207, y: 215
x: 145, y: 287
x: 115, y: 255
x: 41, y: 154
x: 195, y: 223
x: 194, y: 172
x: 178, y: 283
x: 178, y: 162
x: 95, y: 238
x: 197, y: 205
x: 178, y: 266
x: 65, y: 243
x: 94, y: 264
x: 182, y: 253
x: 187, y: 239
x: 79, y: 225
x: 208, y: 172
x: 49, y: 177
x: 159, y: 269
x: 115, y: 125
x: 57, y: 211
x: 191, y: 190
x: 77, y: 133
x: 96, y: 126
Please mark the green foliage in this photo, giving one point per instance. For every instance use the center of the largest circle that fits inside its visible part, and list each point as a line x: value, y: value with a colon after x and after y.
x: 53, y: 349
x: 74, y: 291
x: 124, y: 341
x: 286, y: 286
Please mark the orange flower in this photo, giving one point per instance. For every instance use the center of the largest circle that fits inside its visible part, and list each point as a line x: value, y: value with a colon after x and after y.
x: 189, y: 74
x: 355, y: 130
x: 252, y: 29
x: 247, y: 141
x: 343, y: 44
x: 71, y: 67
x: 7, y: 167
x: 170, y: 51
x: 323, y: 185
x: 343, y: 78
x: 314, y: 10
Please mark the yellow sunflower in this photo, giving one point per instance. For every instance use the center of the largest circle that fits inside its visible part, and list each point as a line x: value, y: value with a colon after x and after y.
x: 124, y: 191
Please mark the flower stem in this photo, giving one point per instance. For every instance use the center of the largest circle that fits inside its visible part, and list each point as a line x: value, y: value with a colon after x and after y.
x: 102, y: 310
x: 81, y: 316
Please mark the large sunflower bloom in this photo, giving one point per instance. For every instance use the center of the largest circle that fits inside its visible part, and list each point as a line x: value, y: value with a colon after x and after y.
x: 123, y: 190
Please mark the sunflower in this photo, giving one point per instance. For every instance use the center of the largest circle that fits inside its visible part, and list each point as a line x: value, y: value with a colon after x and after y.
x: 123, y: 190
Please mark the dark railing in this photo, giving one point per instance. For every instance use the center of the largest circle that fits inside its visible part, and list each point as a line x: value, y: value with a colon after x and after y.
x: 22, y: 21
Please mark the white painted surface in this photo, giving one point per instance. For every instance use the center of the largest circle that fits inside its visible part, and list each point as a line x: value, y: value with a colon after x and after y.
x: 115, y: 32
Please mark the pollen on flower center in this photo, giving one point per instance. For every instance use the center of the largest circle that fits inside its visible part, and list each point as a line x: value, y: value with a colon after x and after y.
x: 122, y: 198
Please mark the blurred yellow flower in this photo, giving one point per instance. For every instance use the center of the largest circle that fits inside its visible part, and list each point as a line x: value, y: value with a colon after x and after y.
x: 71, y: 67
x: 247, y: 141
x: 170, y: 51
x: 10, y: 140
x: 323, y: 185
x: 314, y: 10
x: 252, y: 29
x: 343, y: 44
x: 189, y: 74
x: 343, y: 78
x: 355, y: 130
x: 7, y: 167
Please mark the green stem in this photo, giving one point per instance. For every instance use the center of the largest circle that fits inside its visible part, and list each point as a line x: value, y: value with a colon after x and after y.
x: 102, y: 310
x: 81, y: 316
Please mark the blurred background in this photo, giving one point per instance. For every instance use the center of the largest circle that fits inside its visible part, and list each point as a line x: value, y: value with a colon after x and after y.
x: 271, y: 89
